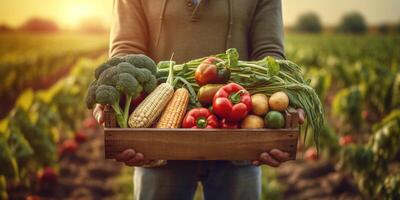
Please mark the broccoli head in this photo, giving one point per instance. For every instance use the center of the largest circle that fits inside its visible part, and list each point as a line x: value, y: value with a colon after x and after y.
x: 99, y: 70
x: 114, y: 61
x: 128, y: 85
x: 109, y: 95
x: 108, y: 77
x: 150, y: 85
x: 127, y: 76
x: 125, y: 67
x: 146, y: 79
x: 91, y: 95
x: 141, y: 61
x: 142, y: 75
x: 106, y: 94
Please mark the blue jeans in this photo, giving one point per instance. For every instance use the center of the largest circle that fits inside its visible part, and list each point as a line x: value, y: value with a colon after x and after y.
x: 178, y: 181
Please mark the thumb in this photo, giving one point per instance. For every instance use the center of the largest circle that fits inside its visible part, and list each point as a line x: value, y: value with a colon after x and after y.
x: 98, y: 113
x: 302, y: 115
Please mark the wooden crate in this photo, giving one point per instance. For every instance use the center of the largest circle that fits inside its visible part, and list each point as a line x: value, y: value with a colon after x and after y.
x: 200, y: 144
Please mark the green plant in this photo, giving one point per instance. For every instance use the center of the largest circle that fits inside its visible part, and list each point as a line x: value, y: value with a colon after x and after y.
x: 347, y: 107
x: 370, y: 163
x: 30, y: 133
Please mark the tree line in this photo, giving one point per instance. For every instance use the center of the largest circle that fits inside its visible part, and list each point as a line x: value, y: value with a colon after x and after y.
x: 353, y: 23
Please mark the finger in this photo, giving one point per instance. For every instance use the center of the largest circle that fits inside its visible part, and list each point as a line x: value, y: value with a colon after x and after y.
x: 267, y: 159
x: 143, y: 162
x: 302, y: 115
x: 125, y: 155
x: 131, y: 162
x: 137, y: 160
x: 139, y: 156
x: 98, y: 113
x: 256, y: 163
x: 279, y: 155
x: 149, y: 162
x: 146, y: 162
x: 119, y: 156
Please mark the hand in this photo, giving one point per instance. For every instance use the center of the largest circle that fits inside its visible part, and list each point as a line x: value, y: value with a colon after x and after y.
x: 275, y: 157
x: 98, y: 113
x: 132, y: 158
x: 272, y: 158
x: 302, y: 115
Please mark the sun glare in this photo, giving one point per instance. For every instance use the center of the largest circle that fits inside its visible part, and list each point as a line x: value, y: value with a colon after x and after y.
x: 75, y: 12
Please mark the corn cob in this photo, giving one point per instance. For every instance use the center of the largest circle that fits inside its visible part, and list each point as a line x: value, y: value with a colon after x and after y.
x: 151, y: 107
x: 175, y: 110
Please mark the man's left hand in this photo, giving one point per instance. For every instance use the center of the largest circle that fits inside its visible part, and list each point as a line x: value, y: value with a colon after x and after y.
x: 272, y: 158
x: 275, y: 157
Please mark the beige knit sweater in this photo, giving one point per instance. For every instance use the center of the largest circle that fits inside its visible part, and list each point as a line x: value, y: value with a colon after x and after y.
x: 160, y: 27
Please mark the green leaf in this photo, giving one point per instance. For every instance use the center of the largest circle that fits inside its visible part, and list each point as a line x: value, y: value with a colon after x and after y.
x: 184, y: 70
x: 165, y: 64
x: 19, y: 145
x: 3, y: 125
x: 48, y: 95
x: 396, y: 91
x: 25, y: 99
x: 9, y: 166
x: 273, y: 66
x: 233, y: 57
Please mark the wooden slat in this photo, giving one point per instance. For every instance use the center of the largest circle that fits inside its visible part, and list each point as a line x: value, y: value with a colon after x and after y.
x: 288, y: 119
x: 200, y: 144
x: 109, y: 117
x: 294, y: 117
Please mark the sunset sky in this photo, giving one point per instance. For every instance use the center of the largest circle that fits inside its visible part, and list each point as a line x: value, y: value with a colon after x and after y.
x: 69, y: 12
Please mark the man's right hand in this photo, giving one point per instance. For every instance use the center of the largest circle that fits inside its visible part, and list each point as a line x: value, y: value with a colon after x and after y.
x: 130, y: 157
x: 98, y: 113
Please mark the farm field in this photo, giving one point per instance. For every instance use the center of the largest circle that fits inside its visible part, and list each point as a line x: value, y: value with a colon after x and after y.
x: 356, y: 77
x: 39, y: 60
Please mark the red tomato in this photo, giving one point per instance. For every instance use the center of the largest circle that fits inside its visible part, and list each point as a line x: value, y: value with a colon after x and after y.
x: 47, y: 175
x: 311, y: 154
x: 32, y: 197
x: 90, y: 123
x: 345, y: 140
x: 80, y: 136
x: 69, y: 146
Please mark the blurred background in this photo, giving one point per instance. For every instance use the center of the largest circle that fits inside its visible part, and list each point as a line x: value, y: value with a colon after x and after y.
x: 51, y: 147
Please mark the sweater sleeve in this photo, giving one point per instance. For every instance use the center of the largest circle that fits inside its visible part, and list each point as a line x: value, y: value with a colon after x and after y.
x: 128, y: 31
x: 266, y: 32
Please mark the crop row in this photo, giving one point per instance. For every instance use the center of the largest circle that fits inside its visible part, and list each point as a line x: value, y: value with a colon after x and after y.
x: 32, y: 60
x: 32, y: 135
x: 358, y: 78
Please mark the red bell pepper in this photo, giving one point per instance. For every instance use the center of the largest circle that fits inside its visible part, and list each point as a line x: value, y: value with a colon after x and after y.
x: 211, y: 71
x: 200, y: 118
x: 226, y: 124
x: 232, y: 102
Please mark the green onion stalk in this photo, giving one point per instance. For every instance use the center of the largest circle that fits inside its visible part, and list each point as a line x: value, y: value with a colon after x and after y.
x: 265, y: 76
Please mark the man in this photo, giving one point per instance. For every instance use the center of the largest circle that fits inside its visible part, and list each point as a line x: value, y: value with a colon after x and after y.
x: 191, y: 29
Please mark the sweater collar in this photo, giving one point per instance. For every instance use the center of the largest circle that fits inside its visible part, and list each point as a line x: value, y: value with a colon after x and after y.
x: 195, y: 17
